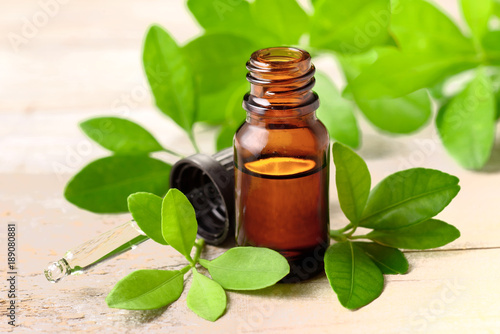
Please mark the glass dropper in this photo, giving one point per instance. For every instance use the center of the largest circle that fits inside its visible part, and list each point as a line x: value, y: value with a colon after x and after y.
x: 85, y: 256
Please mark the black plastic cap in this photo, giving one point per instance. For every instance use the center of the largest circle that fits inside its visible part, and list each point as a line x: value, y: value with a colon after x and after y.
x: 208, y: 183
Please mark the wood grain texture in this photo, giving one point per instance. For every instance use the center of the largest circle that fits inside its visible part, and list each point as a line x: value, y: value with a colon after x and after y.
x: 85, y: 62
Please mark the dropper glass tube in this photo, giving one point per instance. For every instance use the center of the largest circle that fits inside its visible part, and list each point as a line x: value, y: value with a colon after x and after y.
x: 92, y: 252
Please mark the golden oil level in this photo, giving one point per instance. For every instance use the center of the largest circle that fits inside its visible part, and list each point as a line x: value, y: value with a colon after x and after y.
x: 281, y: 160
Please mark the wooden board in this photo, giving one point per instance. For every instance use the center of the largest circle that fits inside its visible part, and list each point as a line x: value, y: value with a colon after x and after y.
x: 85, y: 62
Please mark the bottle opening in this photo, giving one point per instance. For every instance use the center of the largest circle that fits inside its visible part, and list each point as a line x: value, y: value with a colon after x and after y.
x: 280, y: 55
x: 279, y: 63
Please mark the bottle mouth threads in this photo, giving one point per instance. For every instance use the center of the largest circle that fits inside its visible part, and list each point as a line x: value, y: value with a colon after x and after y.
x: 279, y: 63
x: 281, y: 78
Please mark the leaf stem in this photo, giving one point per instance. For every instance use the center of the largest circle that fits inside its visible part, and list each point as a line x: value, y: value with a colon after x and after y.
x: 341, y: 231
x: 349, y: 235
x: 185, y: 269
x: 364, y: 236
x: 169, y: 151
x: 479, y: 49
x: 199, y: 244
x: 193, y: 141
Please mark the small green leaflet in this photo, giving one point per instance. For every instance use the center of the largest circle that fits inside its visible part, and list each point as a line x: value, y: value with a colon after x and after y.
x: 206, y: 297
x: 120, y: 135
x: 354, y: 277
x: 178, y: 222
x: 391, y: 261
x: 336, y: 113
x: 467, y: 123
x: 247, y: 268
x: 170, y: 77
x: 104, y: 185
x: 146, y: 211
x: 408, y: 197
x: 353, y: 181
x: 146, y: 289
x: 431, y: 233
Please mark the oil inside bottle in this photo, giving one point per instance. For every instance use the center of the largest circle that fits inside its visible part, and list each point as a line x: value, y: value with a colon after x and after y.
x: 284, y: 198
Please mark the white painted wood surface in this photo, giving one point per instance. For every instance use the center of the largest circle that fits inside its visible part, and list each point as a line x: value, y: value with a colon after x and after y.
x: 85, y: 62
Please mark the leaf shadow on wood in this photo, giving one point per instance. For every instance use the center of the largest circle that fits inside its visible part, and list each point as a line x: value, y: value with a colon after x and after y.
x: 140, y: 317
x: 378, y: 146
x: 493, y: 164
x: 282, y: 291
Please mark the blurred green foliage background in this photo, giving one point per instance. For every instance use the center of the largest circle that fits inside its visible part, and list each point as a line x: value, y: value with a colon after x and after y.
x: 398, y: 59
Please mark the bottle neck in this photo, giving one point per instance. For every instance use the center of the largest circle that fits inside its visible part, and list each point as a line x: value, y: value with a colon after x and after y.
x: 294, y: 117
x: 281, y: 84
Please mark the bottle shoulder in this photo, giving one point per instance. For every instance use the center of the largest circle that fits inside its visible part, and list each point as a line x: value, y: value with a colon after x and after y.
x: 282, y: 139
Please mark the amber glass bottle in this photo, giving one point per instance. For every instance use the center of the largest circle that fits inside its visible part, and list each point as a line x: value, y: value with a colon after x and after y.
x: 281, y: 155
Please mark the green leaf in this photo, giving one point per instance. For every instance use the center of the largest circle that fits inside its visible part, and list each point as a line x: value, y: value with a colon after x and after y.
x: 353, y: 181
x: 221, y: 80
x: 396, y: 73
x: 206, y: 297
x: 146, y: 290
x: 391, y: 261
x: 146, y: 211
x: 354, y: 277
x: 225, y: 137
x: 408, y: 197
x: 220, y: 15
x: 178, y: 222
x: 349, y: 26
x: 235, y: 116
x: 491, y: 46
x: 230, y: 16
x: 228, y: 98
x: 170, y: 77
x: 283, y: 18
x: 419, y: 27
x: 104, y: 185
x: 336, y: 113
x: 477, y: 13
x: 353, y: 65
x: 218, y: 60
x: 437, y: 92
x: 404, y: 114
x: 120, y: 135
x: 496, y: 8
x: 467, y: 123
x: 247, y: 268
x: 431, y: 233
